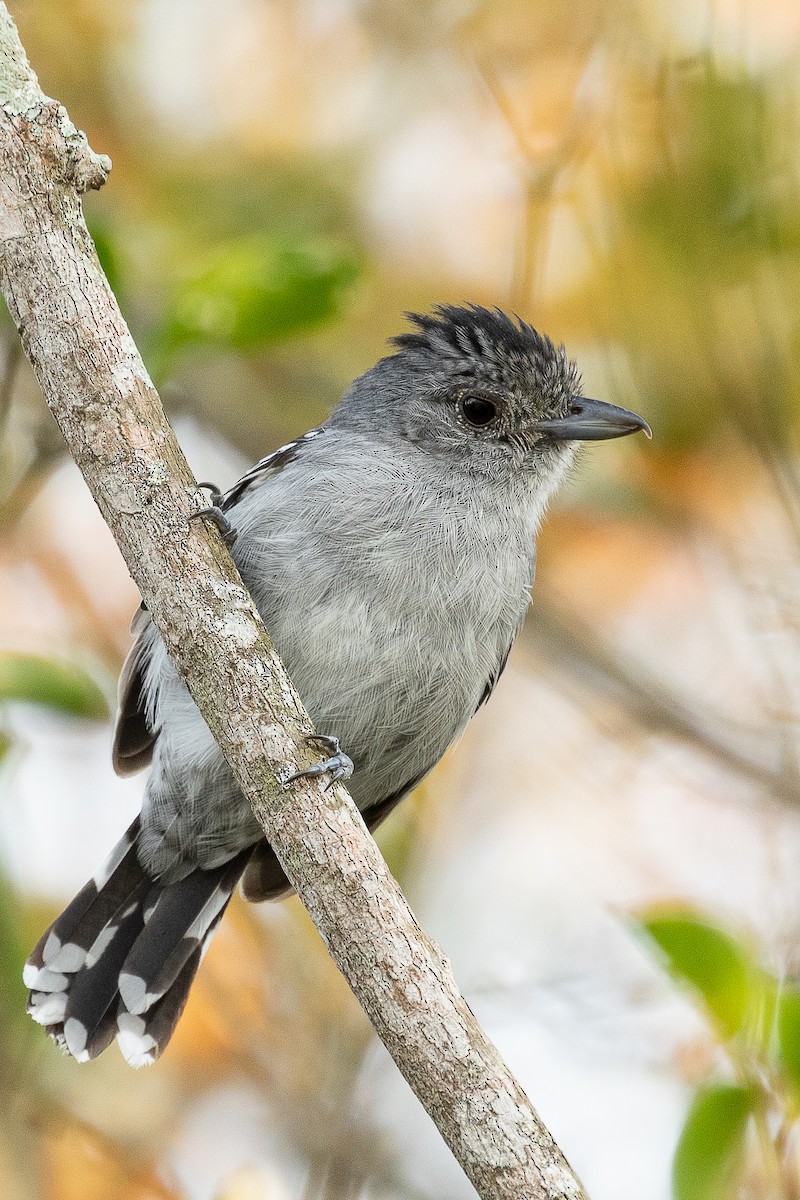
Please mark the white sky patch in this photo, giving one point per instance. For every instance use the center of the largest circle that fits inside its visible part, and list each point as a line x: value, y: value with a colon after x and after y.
x: 61, y: 796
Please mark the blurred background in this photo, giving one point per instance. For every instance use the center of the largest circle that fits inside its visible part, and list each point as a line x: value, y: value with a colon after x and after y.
x: 611, y: 855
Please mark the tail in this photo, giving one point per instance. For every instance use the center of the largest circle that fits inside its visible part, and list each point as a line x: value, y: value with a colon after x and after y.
x: 120, y: 960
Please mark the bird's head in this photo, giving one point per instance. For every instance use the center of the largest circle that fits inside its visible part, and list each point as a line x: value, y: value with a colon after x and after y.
x: 486, y: 391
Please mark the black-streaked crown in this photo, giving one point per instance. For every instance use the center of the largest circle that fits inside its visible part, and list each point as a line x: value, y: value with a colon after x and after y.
x: 470, y: 337
x: 471, y: 329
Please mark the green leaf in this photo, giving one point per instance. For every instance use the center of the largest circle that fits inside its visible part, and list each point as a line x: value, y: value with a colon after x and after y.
x: 789, y: 1031
x: 12, y: 951
x: 708, y: 960
x: 709, y: 1151
x: 15, y: 1035
x: 252, y: 291
x: 55, y: 683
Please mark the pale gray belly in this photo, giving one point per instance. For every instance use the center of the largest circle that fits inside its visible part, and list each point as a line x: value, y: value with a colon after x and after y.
x: 394, y: 671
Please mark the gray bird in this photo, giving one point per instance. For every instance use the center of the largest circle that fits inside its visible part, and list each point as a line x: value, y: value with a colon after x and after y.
x: 391, y: 554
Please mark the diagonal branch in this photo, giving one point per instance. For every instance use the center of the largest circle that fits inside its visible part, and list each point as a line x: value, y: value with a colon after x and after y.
x: 109, y: 412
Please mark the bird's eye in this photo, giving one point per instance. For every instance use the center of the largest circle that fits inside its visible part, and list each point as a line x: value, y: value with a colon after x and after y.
x: 477, y: 411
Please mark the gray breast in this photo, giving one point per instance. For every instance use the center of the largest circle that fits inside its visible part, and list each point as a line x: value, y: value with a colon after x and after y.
x: 391, y: 600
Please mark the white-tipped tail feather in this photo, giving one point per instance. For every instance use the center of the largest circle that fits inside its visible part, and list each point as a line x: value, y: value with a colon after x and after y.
x: 120, y: 960
x: 137, y: 1046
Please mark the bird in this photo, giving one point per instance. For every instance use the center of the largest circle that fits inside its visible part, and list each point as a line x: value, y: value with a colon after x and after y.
x: 391, y: 553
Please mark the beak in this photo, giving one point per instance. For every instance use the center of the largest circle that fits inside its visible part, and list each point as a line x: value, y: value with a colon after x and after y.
x: 592, y: 421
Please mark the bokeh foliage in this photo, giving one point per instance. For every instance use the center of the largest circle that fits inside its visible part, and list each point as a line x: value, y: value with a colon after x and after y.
x: 756, y: 1017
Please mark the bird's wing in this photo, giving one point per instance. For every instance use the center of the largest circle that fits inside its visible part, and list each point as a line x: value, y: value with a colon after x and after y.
x: 491, y: 682
x: 266, y: 468
x: 133, y: 738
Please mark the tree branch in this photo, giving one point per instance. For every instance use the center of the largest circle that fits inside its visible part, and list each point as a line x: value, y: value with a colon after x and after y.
x: 109, y: 412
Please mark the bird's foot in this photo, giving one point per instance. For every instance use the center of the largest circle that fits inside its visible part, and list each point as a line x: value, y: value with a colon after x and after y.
x: 215, y: 514
x: 339, y: 764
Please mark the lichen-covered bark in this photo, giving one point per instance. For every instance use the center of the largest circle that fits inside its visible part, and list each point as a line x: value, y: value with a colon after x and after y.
x: 99, y: 391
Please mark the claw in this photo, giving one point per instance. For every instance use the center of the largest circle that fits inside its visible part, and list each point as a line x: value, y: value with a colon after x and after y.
x: 339, y: 764
x: 215, y: 514
x: 213, y: 491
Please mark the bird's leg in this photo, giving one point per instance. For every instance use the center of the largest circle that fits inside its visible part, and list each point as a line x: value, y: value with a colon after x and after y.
x: 339, y: 764
x: 215, y: 514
